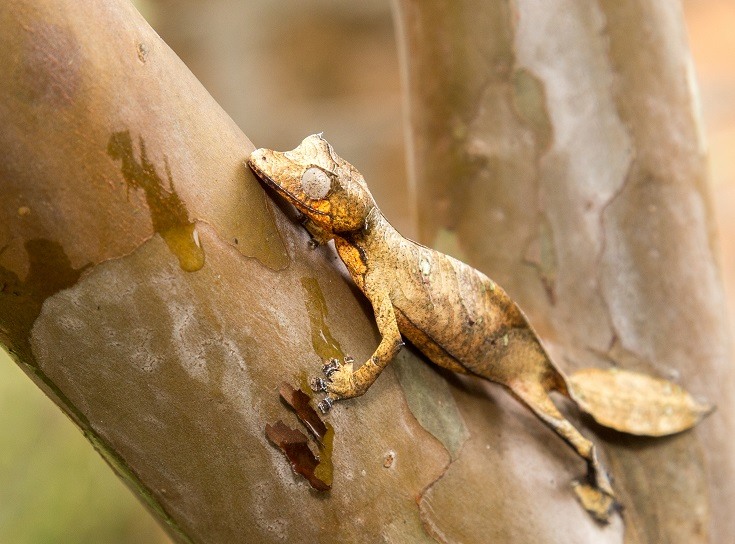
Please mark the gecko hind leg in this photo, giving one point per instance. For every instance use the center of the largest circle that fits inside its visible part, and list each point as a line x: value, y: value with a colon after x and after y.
x: 596, y: 494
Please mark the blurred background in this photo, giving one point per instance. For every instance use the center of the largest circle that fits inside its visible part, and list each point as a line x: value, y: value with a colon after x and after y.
x: 285, y: 69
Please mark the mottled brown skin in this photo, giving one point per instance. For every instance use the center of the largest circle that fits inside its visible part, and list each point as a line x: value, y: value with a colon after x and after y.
x: 453, y: 313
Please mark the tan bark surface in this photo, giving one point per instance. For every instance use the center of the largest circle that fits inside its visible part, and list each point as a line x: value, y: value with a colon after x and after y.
x: 557, y: 148
x: 119, y: 173
x: 113, y: 155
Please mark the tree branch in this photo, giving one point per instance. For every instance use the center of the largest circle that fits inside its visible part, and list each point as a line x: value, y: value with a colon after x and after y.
x: 150, y: 288
x: 558, y: 149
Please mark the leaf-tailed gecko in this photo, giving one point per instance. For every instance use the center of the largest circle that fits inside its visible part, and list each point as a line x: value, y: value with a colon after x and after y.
x: 457, y: 316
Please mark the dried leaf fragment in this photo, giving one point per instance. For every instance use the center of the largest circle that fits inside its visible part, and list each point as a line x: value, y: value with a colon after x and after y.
x: 319, y: 471
x: 635, y: 403
x: 294, y: 445
x: 299, y: 401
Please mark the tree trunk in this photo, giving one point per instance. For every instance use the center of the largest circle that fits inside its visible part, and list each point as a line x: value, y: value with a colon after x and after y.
x: 557, y: 147
x: 149, y: 286
x: 151, y: 289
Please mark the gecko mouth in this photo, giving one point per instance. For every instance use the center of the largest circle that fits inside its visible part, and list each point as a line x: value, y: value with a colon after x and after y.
x: 281, y: 190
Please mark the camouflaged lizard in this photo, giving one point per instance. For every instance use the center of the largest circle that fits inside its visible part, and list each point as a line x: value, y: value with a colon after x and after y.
x: 457, y: 316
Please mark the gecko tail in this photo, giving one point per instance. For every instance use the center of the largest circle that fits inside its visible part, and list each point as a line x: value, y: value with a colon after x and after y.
x: 635, y: 403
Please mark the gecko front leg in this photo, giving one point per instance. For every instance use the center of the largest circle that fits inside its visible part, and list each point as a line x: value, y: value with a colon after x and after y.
x: 342, y: 381
x: 317, y: 235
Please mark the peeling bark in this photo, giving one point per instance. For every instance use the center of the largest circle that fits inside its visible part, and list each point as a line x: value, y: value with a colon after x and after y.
x: 557, y: 146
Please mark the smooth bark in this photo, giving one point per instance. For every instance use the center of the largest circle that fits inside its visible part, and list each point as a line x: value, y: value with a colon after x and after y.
x: 167, y: 347
x: 149, y: 286
x: 557, y: 147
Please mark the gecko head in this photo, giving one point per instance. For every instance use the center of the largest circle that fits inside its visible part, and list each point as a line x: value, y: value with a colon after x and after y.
x: 319, y: 183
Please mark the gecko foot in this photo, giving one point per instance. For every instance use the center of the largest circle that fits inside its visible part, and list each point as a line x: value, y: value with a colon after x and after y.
x: 595, y: 492
x: 317, y: 384
x: 331, y: 367
x: 335, y: 365
x: 599, y: 503
x: 340, y: 382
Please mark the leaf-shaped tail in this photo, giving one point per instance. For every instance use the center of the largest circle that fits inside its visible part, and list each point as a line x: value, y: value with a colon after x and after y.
x: 635, y: 403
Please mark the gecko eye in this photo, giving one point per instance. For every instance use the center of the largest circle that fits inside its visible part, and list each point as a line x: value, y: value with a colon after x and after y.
x: 315, y: 183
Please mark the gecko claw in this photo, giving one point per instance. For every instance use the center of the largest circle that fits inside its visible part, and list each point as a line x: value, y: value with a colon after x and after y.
x: 347, y: 359
x: 325, y: 405
x: 312, y: 244
x: 317, y: 384
x: 331, y: 367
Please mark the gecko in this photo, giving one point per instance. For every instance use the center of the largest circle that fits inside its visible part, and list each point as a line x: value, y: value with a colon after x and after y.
x: 458, y: 317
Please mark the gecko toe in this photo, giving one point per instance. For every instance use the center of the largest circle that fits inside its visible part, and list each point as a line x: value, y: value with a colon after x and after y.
x: 331, y: 367
x: 317, y: 384
x: 325, y: 405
